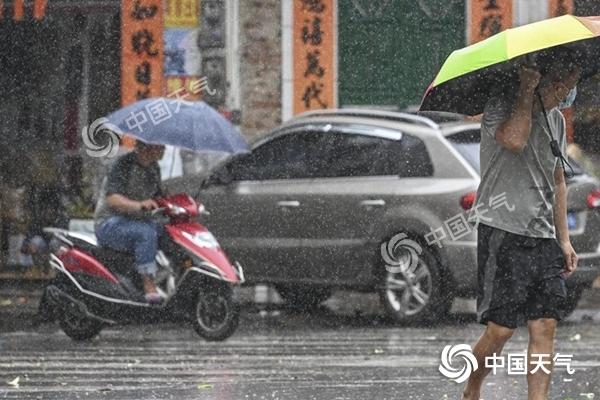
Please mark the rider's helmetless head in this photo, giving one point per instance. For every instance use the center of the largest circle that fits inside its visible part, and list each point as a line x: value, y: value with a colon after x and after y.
x: 149, y: 153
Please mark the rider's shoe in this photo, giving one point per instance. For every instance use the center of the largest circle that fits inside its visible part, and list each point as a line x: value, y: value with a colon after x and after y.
x: 153, y: 298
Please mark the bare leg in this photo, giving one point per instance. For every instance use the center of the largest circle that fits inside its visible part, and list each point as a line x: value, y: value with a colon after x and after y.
x: 149, y: 285
x: 492, y: 341
x: 541, y: 341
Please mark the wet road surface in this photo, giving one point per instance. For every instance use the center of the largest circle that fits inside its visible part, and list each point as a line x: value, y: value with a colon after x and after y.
x: 334, y: 353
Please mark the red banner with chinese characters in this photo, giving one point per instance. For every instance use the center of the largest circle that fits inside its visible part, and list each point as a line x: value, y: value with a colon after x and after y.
x: 313, y: 55
x: 557, y: 8
x: 488, y: 17
x: 142, y: 50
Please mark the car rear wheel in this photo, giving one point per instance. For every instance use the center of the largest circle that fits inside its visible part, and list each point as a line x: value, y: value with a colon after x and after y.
x: 412, y: 289
x: 305, y: 298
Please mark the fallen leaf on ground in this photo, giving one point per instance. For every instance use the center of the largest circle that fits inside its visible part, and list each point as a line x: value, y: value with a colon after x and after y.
x: 15, y: 382
x: 204, y: 386
x: 5, y: 302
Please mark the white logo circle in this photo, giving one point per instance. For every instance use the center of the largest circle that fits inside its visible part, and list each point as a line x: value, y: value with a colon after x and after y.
x: 463, y: 351
x: 409, y: 253
x: 101, y: 138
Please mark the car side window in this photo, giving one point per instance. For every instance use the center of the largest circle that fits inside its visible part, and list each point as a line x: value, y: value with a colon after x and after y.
x: 408, y: 158
x: 353, y: 154
x: 295, y: 155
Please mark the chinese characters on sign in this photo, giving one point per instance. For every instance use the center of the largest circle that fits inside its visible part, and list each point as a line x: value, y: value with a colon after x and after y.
x: 182, y: 55
x: 142, y: 50
x: 488, y: 17
x: 314, y: 72
x: 181, y: 14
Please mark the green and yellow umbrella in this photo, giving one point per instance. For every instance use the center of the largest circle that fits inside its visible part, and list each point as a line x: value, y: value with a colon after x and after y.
x: 469, y: 75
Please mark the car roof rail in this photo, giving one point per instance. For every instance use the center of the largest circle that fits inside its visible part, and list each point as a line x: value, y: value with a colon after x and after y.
x: 380, y: 114
x: 441, y: 117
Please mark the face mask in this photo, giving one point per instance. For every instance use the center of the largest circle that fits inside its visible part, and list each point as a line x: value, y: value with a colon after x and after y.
x: 568, y: 102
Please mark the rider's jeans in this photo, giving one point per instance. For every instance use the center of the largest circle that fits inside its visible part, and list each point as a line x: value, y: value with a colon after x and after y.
x: 135, y: 236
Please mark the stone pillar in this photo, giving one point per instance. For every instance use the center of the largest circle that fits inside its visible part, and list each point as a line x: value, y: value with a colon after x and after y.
x: 260, y: 65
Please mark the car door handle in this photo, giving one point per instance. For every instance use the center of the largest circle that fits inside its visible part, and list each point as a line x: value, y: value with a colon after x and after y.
x: 288, y: 203
x: 373, y: 203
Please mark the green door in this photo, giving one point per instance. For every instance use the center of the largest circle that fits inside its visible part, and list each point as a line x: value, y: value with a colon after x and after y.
x: 390, y: 50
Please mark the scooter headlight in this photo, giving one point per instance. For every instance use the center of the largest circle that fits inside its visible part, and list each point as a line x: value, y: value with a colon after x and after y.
x: 202, y: 239
x: 177, y: 210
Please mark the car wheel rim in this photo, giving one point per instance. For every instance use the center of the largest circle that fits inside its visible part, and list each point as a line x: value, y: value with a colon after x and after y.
x: 212, y: 312
x: 408, y: 291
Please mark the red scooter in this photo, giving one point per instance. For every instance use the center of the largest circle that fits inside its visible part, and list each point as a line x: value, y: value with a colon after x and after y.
x: 97, y: 287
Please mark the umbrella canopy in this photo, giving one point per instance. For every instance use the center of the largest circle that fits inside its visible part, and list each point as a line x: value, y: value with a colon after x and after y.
x: 190, y: 125
x: 465, y: 81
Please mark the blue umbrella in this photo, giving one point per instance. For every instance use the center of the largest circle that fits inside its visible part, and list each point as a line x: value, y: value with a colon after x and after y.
x: 191, y: 125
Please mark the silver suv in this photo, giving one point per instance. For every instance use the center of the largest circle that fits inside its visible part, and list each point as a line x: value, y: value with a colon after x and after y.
x: 364, y: 200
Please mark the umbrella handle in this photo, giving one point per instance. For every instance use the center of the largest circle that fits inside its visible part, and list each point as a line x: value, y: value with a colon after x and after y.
x: 531, y: 61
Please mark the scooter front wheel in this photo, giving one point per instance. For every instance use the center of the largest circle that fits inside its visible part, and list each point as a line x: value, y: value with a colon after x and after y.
x: 216, y: 313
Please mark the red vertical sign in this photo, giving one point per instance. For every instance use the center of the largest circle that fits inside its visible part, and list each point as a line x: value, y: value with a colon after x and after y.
x: 560, y: 7
x: 488, y: 17
x: 39, y: 9
x: 18, y: 10
x: 142, y: 50
x: 313, y: 53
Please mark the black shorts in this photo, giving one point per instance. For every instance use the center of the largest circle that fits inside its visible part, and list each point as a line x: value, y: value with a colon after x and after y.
x: 519, y: 278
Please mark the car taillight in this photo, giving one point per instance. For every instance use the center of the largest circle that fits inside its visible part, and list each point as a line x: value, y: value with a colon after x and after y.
x: 467, y: 201
x: 593, y: 199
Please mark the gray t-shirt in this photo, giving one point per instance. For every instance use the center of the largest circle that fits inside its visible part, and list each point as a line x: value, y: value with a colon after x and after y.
x: 516, y: 192
x: 129, y: 178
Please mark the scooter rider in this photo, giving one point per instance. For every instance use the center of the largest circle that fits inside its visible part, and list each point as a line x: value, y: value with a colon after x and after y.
x: 128, y: 190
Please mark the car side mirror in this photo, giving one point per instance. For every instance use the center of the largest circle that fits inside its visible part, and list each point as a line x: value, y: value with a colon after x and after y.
x: 221, y: 177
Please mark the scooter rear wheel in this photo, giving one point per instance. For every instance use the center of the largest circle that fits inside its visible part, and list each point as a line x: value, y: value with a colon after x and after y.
x: 215, y: 313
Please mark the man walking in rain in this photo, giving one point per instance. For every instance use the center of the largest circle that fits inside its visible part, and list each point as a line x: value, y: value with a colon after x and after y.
x: 524, y: 251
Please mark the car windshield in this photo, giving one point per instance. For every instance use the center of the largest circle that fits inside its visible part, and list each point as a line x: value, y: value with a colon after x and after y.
x: 467, y: 144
